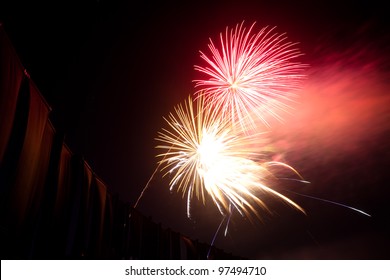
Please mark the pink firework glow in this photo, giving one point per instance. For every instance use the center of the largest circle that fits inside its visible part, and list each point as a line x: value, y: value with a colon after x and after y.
x: 252, y: 76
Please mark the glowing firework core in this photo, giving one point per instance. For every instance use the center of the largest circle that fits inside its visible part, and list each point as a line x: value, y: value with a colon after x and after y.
x: 206, y: 153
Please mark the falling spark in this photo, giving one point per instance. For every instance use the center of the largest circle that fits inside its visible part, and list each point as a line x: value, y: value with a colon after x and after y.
x: 205, y: 154
x: 251, y: 76
x: 335, y: 203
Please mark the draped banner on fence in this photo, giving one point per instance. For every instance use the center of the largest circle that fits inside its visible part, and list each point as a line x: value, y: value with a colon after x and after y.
x: 52, y: 204
x: 31, y: 167
x: 11, y: 75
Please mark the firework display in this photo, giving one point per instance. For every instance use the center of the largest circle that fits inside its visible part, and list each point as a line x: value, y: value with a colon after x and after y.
x: 205, y: 154
x: 250, y: 76
x: 226, y: 131
x: 212, y: 145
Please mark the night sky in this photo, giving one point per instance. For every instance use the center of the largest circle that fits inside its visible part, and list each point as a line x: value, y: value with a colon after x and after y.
x: 111, y: 70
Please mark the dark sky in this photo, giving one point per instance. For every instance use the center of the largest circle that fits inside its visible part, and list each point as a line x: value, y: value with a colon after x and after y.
x: 112, y: 69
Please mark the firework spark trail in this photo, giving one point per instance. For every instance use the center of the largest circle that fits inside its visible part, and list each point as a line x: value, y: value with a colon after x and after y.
x: 205, y: 153
x: 216, y: 233
x: 250, y: 74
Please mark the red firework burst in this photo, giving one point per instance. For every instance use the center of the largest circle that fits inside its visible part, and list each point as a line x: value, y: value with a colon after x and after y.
x: 251, y: 76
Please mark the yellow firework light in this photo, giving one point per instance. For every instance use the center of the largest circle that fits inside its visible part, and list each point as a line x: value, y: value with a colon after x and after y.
x: 206, y: 154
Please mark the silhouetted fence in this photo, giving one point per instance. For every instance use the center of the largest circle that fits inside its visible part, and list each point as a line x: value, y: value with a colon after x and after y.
x: 52, y: 204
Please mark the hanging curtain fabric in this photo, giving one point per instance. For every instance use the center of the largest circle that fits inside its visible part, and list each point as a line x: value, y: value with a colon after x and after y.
x: 121, y: 228
x: 11, y: 75
x: 134, y: 237
x: 11, y: 158
x: 70, y: 217
x: 62, y: 202
x: 176, y: 245
x: 28, y: 170
x: 25, y: 167
x: 46, y: 242
x: 77, y: 238
x: 41, y: 165
x: 33, y: 222
x: 95, y: 218
x: 107, y: 245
